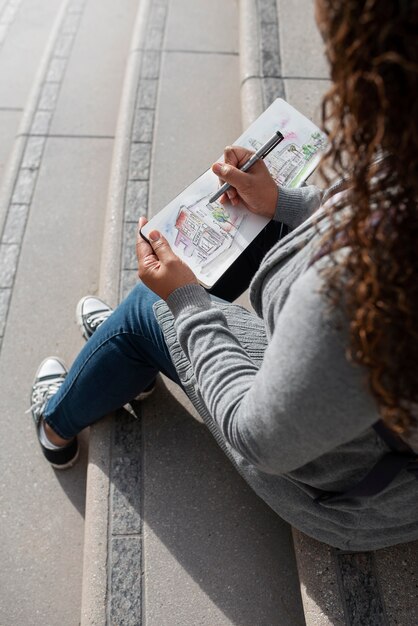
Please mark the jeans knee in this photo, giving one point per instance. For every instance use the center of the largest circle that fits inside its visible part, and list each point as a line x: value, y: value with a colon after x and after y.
x: 137, y: 309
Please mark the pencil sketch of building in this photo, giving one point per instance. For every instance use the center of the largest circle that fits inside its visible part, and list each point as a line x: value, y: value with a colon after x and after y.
x: 283, y: 163
x: 196, y: 235
x: 199, y: 233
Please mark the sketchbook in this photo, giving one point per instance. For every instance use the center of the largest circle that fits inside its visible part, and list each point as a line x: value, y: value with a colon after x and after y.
x: 210, y: 237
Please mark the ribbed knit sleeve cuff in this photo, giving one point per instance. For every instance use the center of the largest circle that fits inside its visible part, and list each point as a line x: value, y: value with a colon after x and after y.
x: 188, y: 297
x: 294, y: 206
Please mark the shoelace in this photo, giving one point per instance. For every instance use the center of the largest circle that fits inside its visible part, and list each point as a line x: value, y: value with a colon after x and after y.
x: 96, y: 319
x: 42, y: 392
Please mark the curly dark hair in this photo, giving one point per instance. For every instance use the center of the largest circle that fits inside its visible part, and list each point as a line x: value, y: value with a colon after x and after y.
x: 370, y: 114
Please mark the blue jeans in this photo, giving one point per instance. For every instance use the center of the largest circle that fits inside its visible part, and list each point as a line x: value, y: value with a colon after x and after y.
x: 127, y: 351
x: 120, y: 360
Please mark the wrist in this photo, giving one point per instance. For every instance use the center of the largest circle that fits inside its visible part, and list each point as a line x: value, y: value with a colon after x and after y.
x: 188, y: 296
x: 270, y: 202
x: 179, y: 285
x: 274, y: 202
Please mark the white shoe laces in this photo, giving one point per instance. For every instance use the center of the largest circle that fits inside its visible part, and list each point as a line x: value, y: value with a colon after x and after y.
x: 42, y: 391
x: 96, y: 319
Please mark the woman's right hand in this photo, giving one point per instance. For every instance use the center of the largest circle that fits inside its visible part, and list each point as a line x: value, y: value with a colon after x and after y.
x: 256, y: 188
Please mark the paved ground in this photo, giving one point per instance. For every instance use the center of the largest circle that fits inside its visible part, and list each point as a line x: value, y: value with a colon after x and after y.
x: 24, y: 28
x: 50, y: 256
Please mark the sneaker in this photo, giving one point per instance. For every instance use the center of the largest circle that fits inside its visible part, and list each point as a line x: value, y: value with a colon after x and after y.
x: 91, y: 312
x: 147, y: 391
x: 49, y: 378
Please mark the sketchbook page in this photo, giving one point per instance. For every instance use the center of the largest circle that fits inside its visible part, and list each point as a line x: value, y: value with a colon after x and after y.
x: 210, y: 237
x: 297, y: 156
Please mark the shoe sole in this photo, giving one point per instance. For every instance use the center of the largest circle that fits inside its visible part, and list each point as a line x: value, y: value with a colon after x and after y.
x: 140, y: 398
x: 69, y: 464
x: 145, y: 394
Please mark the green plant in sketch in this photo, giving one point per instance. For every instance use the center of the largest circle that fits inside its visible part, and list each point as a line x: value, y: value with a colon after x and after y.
x: 220, y: 214
x: 308, y: 150
x: 317, y: 142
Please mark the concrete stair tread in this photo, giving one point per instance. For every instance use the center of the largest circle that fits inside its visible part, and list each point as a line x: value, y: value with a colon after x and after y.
x: 24, y: 28
x: 48, y: 259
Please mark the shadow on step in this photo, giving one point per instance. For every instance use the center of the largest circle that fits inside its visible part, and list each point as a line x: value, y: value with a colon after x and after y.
x: 207, y: 538
x: 73, y: 481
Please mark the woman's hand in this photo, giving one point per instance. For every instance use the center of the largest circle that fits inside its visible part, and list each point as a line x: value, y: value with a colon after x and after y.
x: 158, y: 267
x: 256, y: 188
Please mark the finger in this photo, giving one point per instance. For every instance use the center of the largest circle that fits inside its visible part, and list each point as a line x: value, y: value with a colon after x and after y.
x: 231, y: 175
x: 232, y: 196
x: 161, y: 247
x: 230, y: 156
x: 224, y: 198
x: 237, y: 155
x: 143, y: 248
x: 216, y: 170
x: 144, y: 252
x: 232, y: 193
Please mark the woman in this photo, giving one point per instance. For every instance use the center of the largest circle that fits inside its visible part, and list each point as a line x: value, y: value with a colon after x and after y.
x: 333, y: 350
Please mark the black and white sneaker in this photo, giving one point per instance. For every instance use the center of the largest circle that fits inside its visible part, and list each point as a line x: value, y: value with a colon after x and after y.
x: 49, y: 378
x: 91, y: 312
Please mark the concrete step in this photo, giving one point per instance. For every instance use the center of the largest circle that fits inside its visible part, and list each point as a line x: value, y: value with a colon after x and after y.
x: 51, y: 222
x: 24, y: 29
x: 347, y: 589
x: 173, y: 534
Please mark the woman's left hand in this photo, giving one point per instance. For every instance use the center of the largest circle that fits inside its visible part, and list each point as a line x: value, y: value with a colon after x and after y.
x: 158, y: 267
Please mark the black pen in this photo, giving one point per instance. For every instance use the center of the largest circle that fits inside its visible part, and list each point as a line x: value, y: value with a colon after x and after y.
x: 260, y: 154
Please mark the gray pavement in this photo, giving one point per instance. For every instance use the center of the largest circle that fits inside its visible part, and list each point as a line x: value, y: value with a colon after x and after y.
x: 50, y: 256
x: 90, y: 94
x: 24, y: 28
x: 9, y: 122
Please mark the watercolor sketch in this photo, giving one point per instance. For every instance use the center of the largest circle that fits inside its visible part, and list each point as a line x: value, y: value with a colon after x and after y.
x: 206, y: 230
x: 290, y: 163
x: 209, y: 237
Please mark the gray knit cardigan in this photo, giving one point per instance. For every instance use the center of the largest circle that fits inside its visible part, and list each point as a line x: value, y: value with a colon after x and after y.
x: 279, y: 396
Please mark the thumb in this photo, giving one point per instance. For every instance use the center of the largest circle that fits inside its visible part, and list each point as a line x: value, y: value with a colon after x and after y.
x: 161, y: 247
x: 231, y: 175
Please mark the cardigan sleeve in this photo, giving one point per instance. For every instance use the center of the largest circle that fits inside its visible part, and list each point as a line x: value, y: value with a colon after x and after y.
x: 304, y: 400
x: 294, y: 206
